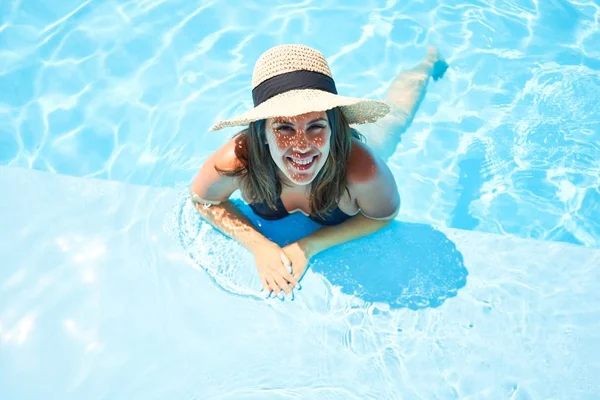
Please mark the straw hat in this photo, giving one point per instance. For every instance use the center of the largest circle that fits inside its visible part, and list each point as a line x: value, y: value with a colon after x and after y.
x: 295, y: 79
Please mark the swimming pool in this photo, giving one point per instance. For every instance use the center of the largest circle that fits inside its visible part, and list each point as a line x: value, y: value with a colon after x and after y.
x: 124, y: 92
x: 506, y: 143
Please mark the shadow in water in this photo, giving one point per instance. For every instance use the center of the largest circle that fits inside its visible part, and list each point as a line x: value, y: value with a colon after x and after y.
x: 405, y: 265
x: 408, y: 266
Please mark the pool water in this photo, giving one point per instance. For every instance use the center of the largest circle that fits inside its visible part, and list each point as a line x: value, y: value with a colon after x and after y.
x: 109, y: 102
x: 506, y: 143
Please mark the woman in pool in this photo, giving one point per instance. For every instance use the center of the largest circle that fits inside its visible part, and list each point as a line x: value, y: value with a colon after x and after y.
x: 299, y: 153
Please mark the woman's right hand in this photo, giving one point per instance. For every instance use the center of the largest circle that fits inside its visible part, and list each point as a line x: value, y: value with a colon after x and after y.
x: 274, y: 268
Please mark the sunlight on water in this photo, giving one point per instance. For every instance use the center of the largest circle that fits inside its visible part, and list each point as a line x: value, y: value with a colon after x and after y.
x: 126, y: 90
x: 97, y: 299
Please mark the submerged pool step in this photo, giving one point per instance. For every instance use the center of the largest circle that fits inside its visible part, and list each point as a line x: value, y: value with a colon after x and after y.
x: 98, y: 301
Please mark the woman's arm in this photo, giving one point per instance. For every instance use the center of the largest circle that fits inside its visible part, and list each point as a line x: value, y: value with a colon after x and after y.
x: 210, y: 192
x: 329, y: 236
x: 226, y: 217
x: 379, y: 202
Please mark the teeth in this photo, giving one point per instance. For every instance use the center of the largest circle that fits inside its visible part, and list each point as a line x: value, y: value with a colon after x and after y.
x: 303, y: 161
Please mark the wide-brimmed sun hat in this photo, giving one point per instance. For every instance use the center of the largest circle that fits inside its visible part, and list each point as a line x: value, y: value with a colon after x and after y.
x: 295, y: 79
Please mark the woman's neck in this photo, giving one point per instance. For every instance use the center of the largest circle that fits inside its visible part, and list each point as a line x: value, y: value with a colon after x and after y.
x: 290, y: 186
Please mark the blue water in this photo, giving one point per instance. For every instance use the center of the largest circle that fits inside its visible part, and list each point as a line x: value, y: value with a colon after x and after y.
x: 123, y: 92
x: 98, y: 302
x: 506, y: 143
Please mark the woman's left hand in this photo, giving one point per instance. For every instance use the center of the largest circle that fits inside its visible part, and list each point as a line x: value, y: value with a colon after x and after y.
x: 298, y: 258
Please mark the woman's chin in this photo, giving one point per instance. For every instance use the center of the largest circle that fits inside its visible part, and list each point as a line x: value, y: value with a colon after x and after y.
x: 300, y: 179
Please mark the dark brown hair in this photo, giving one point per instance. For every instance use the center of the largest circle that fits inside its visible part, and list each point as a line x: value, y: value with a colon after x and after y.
x: 260, y: 182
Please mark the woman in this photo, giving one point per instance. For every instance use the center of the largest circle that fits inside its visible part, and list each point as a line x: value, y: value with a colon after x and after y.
x: 299, y: 154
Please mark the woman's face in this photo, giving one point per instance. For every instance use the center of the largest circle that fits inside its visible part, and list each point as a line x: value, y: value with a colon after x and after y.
x: 299, y: 145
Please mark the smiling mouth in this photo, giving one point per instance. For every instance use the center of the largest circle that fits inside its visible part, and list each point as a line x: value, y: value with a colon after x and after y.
x: 301, y: 164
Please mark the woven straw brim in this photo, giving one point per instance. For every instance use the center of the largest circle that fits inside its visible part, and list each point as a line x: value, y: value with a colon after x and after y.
x: 297, y: 102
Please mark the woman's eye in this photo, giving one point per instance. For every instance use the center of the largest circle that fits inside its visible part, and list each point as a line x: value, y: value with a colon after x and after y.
x: 289, y: 130
x: 284, y: 129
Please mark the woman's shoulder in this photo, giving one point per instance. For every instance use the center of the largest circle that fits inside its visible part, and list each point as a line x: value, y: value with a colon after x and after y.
x: 216, y: 180
x: 371, y: 183
x: 231, y: 155
x: 362, y: 165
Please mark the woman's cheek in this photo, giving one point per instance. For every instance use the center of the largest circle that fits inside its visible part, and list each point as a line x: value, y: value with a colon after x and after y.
x: 320, y: 141
x: 283, y: 142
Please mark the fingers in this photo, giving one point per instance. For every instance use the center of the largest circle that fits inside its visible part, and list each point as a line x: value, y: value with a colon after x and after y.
x: 265, y: 284
x: 283, y: 284
x: 287, y: 276
x: 276, y: 274
x: 286, y: 271
x: 287, y: 264
x: 274, y: 282
x: 284, y: 259
x: 273, y: 287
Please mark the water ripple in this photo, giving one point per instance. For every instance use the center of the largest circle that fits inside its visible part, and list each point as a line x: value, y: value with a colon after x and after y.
x: 506, y: 143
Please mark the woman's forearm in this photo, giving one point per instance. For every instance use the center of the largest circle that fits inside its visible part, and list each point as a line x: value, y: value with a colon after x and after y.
x: 329, y: 236
x: 232, y: 222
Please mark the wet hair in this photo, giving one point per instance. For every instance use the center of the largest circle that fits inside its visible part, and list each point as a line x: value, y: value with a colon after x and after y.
x: 258, y: 173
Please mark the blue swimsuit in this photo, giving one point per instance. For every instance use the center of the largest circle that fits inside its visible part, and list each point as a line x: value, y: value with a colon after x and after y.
x: 334, y: 217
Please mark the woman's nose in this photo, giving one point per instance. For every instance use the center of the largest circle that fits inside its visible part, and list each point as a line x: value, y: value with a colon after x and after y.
x: 301, y: 141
